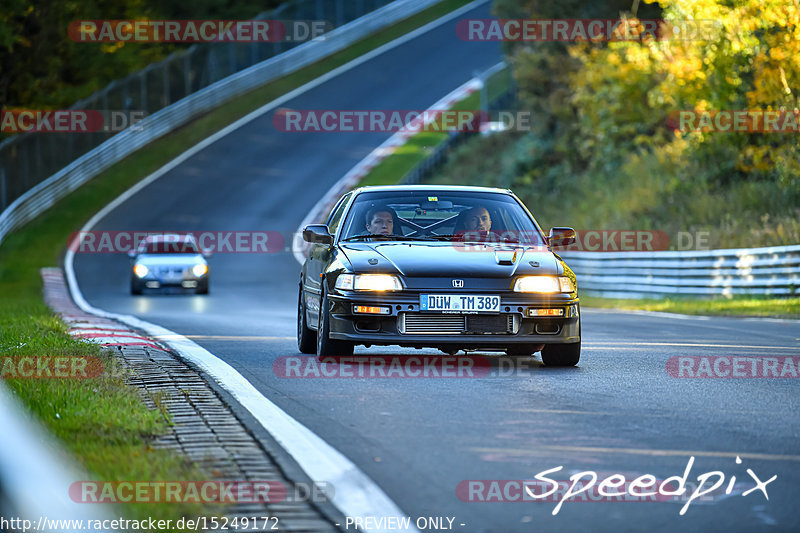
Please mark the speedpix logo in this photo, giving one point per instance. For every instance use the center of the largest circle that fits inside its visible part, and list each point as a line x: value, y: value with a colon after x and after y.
x: 589, y: 486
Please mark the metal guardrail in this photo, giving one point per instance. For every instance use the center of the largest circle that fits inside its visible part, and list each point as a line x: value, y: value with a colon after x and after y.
x: 40, y: 195
x: 757, y: 271
x: 35, y: 476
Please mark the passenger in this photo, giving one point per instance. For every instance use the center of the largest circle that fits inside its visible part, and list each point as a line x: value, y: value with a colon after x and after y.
x: 380, y: 220
x: 477, y: 219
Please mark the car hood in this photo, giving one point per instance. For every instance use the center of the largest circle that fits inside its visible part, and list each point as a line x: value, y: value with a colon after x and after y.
x: 173, y: 260
x: 447, y: 259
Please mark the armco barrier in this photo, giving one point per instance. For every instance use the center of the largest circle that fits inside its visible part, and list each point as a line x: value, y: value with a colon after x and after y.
x: 35, y: 476
x: 758, y: 271
x: 43, y: 195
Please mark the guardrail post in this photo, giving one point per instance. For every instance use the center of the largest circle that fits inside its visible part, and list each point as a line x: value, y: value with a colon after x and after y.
x: 3, y: 194
x: 340, y: 13
x: 143, y: 91
x: 165, y: 76
x: 187, y: 76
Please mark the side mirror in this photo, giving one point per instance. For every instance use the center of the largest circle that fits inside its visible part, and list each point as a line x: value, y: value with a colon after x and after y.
x: 561, y: 237
x: 317, y: 233
x: 131, y: 253
x: 205, y: 253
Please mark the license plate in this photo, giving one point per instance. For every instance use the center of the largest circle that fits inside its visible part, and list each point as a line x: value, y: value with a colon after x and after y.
x: 458, y: 303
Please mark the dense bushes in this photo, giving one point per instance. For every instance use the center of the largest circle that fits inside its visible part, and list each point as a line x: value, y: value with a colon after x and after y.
x: 602, y: 153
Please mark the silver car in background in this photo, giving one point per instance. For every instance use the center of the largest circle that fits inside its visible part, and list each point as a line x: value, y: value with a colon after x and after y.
x: 169, y: 260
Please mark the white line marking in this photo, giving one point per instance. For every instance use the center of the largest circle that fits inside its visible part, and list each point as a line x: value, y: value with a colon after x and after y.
x: 356, y: 494
x: 694, y: 344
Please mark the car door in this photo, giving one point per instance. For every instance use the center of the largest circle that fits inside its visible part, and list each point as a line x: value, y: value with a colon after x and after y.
x: 319, y: 256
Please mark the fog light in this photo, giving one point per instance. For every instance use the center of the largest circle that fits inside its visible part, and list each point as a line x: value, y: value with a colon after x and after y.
x: 372, y: 310
x: 545, y: 312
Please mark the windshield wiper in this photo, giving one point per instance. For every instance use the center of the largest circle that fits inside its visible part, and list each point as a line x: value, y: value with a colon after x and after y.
x: 461, y: 237
x: 380, y: 236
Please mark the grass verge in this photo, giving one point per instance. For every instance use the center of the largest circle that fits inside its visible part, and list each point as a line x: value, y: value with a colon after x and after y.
x: 748, y: 307
x: 102, y: 421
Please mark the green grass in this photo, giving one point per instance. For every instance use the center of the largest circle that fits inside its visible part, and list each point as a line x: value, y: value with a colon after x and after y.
x: 738, y: 306
x: 102, y: 421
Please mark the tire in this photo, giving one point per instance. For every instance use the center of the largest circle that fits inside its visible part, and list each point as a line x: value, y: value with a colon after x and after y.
x: 136, y: 287
x: 561, y: 354
x: 306, y: 337
x: 202, y: 287
x: 325, y: 345
x: 522, y: 350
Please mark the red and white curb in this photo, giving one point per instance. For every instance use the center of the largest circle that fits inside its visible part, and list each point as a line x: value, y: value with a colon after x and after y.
x: 86, y: 326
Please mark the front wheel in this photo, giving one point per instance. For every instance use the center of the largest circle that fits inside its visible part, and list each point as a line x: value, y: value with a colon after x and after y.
x: 522, y: 350
x: 325, y: 345
x: 561, y: 354
x: 306, y: 337
x: 136, y: 286
x: 202, y: 287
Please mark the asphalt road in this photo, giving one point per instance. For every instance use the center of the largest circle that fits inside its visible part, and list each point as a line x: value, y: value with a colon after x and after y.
x: 618, y: 412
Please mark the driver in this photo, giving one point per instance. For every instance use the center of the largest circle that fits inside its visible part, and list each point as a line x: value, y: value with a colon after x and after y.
x: 477, y: 219
x: 380, y: 220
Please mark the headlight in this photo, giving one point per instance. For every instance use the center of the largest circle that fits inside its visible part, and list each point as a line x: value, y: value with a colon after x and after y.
x: 140, y: 270
x: 368, y: 282
x: 543, y: 284
x: 199, y: 270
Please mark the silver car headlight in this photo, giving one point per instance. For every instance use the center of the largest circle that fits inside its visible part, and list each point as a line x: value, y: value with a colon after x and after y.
x: 199, y: 270
x: 543, y: 284
x: 140, y: 270
x: 368, y: 282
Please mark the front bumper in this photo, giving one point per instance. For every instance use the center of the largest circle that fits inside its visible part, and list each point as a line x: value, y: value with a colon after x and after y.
x: 392, y: 329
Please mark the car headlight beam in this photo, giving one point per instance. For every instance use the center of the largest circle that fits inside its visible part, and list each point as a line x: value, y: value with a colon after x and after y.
x: 199, y: 270
x: 543, y: 284
x: 140, y: 270
x: 368, y: 282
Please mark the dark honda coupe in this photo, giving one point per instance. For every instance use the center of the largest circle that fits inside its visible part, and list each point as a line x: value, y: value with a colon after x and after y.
x: 452, y: 268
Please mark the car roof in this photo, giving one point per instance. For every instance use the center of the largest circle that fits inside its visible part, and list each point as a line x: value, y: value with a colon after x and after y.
x: 451, y: 188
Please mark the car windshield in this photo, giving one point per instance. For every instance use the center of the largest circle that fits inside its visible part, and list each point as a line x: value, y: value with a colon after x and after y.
x: 169, y: 246
x: 439, y: 215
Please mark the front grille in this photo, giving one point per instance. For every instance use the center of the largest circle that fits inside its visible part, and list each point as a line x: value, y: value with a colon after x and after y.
x: 420, y: 324
x: 432, y: 324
